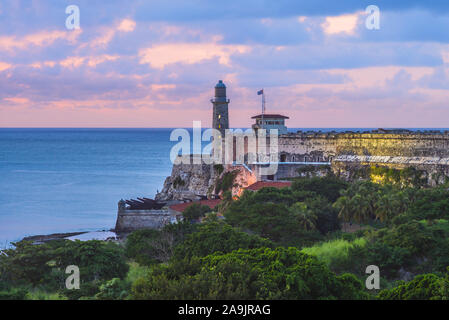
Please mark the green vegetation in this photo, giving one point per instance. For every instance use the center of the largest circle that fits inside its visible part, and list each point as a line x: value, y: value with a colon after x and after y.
x: 335, y: 253
x: 39, y: 270
x: 284, y: 243
x: 195, y: 211
x: 249, y: 274
x: 226, y: 182
x: 423, y: 287
x: 217, y: 236
x: 405, y: 177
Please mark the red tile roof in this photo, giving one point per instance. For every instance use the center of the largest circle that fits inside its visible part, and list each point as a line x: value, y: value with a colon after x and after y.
x: 180, y: 207
x: 267, y: 184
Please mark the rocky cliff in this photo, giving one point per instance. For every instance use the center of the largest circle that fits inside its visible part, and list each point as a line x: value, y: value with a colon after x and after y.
x: 189, y: 181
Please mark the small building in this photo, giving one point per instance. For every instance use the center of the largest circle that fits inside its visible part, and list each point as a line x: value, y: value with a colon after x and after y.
x: 270, y: 121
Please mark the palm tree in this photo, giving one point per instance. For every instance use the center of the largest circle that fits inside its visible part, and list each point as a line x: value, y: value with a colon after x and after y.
x: 306, y: 218
x: 388, y: 206
x: 343, y: 205
x: 361, y: 208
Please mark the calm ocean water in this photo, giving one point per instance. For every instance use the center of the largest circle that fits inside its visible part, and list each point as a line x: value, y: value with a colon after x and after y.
x: 64, y: 180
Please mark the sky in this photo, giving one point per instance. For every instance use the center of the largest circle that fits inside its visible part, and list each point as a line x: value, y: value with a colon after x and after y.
x: 154, y: 63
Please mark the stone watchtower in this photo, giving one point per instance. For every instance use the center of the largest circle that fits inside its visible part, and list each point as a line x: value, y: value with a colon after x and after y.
x: 220, y: 118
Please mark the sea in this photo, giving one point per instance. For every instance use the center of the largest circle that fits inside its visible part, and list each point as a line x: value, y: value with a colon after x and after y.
x: 63, y: 180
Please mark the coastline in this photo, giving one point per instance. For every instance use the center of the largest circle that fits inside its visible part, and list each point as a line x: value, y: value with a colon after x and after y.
x: 104, y: 235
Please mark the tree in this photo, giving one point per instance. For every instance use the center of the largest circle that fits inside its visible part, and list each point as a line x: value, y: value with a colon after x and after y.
x: 344, y: 207
x: 430, y: 204
x: 305, y: 217
x: 114, y: 289
x: 44, y: 265
x: 328, y: 186
x: 361, y: 208
x: 97, y: 260
x: 263, y: 273
x: 326, y: 216
x: 225, y: 202
x: 357, y: 203
x: 217, y: 236
x: 195, y: 211
x: 422, y: 287
x: 387, y: 207
x: 150, y: 246
x: 27, y: 263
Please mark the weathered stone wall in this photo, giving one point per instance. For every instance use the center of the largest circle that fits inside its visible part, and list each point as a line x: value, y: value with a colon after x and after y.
x: 405, y: 145
x: 324, y: 147
x: 307, y: 147
x: 424, y: 151
x: 131, y: 220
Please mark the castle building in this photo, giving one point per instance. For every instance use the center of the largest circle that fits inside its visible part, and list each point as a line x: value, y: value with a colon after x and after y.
x: 220, y: 117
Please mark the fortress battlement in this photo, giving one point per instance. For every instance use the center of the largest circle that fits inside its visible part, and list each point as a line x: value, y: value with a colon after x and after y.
x: 375, y: 134
x: 342, y: 152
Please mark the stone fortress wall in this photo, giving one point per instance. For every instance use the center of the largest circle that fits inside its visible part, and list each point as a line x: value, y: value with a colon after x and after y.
x: 325, y: 146
x: 427, y: 151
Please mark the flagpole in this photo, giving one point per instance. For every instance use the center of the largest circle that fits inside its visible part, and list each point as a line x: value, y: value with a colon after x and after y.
x: 263, y: 107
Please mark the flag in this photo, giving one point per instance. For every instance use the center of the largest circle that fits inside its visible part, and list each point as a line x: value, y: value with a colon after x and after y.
x: 260, y: 92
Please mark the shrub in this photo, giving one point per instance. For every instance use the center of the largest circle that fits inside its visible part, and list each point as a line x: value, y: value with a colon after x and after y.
x: 251, y: 274
x: 336, y: 253
x: 226, y: 182
x: 422, y: 287
x: 217, y: 236
x: 196, y: 211
x: 13, y: 294
x: 328, y: 187
x: 114, y: 289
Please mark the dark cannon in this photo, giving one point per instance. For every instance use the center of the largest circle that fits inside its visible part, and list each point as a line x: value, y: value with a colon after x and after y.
x: 144, y: 204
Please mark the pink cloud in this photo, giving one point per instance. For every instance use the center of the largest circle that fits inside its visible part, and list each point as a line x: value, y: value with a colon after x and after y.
x: 108, y: 33
x: 39, y: 39
x: 162, y: 55
x: 92, y: 61
x: 4, y: 66
x: 346, y: 24
x: 17, y: 100
x: 127, y: 25
x: 72, y: 62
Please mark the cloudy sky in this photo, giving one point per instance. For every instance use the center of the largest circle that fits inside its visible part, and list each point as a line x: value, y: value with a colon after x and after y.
x: 154, y: 63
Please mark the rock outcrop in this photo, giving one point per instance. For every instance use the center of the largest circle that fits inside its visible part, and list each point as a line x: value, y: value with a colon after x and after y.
x: 189, y: 181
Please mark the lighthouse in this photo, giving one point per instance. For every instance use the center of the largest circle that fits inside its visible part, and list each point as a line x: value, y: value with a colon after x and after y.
x: 220, y: 117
